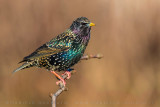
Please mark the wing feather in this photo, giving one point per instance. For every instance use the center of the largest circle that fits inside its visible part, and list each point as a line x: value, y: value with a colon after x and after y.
x: 60, y: 43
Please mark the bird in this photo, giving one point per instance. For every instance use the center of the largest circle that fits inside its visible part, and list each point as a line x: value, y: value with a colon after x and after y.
x: 63, y: 51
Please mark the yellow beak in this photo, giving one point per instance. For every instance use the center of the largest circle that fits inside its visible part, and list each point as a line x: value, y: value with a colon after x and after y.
x: 91, y: 24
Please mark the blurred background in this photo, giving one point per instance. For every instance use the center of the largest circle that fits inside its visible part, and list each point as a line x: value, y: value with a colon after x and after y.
x: 127, y: 33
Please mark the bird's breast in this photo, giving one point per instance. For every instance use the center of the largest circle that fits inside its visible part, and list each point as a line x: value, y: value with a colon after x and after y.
x: 66, y: 59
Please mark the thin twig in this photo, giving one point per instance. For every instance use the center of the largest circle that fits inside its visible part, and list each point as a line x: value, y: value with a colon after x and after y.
x: 59, y: 91
x: 86, y: 57
x: 61, y: 85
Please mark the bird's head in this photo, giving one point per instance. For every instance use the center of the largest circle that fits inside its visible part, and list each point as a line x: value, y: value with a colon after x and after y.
x: 81, y: 26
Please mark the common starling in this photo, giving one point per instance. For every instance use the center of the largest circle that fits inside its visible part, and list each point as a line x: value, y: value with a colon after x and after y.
x: 63, y: 51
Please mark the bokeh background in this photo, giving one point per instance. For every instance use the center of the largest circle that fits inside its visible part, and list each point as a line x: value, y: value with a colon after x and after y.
x: 127, y: 33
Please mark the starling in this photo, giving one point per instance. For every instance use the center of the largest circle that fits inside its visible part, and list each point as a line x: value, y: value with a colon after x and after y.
x: 63, y: 51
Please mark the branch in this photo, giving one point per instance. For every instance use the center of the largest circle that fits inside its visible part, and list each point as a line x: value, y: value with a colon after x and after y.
x: 61, y: 85
x: 86, y: 57
x: 59, y: 91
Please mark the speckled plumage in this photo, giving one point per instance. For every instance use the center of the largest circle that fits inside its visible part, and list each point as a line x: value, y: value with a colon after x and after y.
x: 63, y: 51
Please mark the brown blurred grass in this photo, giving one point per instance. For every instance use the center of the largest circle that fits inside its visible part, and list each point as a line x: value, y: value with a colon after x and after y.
x: 127, y: 34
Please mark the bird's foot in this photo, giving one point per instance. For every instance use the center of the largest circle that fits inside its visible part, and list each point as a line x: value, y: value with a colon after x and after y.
x: 68, y: 73
x: 60, y: 78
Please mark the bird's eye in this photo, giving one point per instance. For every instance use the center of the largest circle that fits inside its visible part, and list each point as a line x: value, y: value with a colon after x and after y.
x: 83, y: 23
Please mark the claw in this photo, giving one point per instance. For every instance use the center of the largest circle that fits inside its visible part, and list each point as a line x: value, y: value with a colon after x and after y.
x: 68, y: 74
x: 61, y: 80
x: 59, y: 77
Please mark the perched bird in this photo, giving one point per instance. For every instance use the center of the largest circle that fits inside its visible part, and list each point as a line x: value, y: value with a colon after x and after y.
x: 63, y: 51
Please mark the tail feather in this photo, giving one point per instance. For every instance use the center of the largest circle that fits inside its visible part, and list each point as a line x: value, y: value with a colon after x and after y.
x: 25, y: 65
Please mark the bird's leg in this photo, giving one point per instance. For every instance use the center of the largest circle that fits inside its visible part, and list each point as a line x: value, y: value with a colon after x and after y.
x: 68, y: 73
x: 59, y: 77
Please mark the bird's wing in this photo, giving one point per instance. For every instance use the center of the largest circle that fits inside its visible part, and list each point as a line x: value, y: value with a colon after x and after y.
x: 61, y: 43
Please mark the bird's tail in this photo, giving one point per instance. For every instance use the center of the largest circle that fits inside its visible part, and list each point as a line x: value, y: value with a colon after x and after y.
x: 25, y: 65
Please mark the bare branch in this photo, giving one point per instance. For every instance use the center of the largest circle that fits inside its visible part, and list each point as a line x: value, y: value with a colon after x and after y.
x: 86, y: 57
x: 59, y: 91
